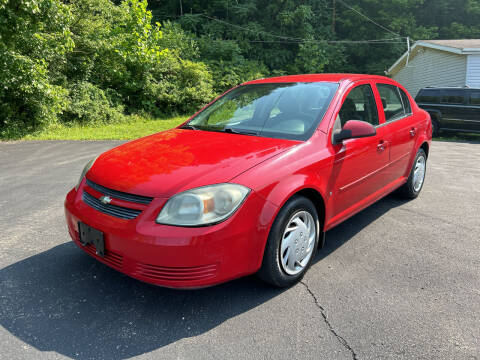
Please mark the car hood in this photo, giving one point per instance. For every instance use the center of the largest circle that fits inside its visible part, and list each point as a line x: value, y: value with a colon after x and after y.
x: 163, y: 164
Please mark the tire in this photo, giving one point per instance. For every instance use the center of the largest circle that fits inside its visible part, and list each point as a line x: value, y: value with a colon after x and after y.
x: 282, y: 270
x: 416, y: 179
x: 435, y: 127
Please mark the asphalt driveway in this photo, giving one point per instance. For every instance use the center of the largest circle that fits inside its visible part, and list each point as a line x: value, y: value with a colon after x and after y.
x: 399, y: 280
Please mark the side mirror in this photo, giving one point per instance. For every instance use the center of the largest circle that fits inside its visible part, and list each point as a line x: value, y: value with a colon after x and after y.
x: 354, y: 129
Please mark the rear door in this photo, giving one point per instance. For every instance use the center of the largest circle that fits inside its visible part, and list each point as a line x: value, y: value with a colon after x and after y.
x: 400, y: 124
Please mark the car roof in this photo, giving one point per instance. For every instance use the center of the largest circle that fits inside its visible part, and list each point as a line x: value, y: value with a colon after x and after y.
x: 318, y: 78
x: 466, y: 88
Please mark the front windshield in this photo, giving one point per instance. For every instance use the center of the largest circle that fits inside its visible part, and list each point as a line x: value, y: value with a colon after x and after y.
x: 279, y: 110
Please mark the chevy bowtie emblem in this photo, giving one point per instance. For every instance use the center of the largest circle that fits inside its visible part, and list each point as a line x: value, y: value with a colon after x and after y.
x: 106, y: 199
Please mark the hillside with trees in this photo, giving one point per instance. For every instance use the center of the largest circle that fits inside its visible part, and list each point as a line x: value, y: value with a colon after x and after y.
x: 97, y: 61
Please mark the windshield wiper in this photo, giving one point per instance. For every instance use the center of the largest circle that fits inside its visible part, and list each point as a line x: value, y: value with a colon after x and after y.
x: 240, y: 132
x: 189, y: 127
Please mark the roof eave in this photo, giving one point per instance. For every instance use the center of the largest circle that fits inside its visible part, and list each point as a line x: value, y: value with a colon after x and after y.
x: 441, y: 47
x: 465, y: 51
x: 399, y: 61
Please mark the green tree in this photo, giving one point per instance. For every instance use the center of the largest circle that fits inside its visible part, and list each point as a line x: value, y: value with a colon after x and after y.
x: 34, y: 41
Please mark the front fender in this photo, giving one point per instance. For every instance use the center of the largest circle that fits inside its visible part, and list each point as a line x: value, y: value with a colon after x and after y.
x: 281, y: 177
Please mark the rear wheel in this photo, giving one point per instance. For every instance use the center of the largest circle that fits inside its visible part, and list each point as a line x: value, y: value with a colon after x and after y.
x: 435, y: 126
x: 292, y: 243
x: 414, y: 184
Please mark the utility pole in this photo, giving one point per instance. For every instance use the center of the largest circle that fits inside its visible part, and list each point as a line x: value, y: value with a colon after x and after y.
x: 408, y: 51
x: 333, y: 16
x: 181, y: 8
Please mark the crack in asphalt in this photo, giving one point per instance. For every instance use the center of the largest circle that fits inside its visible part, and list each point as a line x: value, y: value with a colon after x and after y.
x: 340, y: 339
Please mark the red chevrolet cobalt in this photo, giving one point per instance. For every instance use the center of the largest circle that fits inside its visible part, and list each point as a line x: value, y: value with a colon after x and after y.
x: 251, y: 183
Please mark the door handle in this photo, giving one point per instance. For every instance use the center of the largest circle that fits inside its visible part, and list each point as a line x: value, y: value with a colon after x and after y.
x: 381, y: 146
x: 413, y: 132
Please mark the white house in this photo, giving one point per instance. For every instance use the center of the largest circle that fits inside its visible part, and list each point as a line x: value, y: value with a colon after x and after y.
x: 438, y: 63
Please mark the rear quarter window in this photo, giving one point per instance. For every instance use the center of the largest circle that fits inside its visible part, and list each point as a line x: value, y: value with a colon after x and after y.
x: 475, y: 98
x: 406, y: 102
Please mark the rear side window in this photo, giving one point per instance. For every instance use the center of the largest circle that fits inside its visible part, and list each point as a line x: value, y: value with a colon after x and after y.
x: 406, y: 102
x: 475, y: 98
x: 428, y: 96
x: 391, y: 101
x: 453, y: 97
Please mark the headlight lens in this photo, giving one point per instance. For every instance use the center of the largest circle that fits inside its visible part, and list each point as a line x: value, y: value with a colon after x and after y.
x: 84, y: 172
x: 203, y: 206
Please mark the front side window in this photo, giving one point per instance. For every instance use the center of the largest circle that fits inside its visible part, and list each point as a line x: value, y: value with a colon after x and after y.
x: 391, y: 101
x: 359, y: 105
x: 279, y: 110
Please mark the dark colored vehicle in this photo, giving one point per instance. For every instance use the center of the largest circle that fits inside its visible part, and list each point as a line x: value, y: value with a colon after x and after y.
x: 451, y: 109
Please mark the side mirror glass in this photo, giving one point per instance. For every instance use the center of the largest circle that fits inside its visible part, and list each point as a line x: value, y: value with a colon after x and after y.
x: 354, y: 129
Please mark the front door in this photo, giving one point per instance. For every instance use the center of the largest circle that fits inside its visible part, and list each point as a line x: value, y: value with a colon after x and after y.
x: 359, y: 164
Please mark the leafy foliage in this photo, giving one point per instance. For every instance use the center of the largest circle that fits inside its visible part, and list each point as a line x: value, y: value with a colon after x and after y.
x: 91, y: 61
x: 89, y: 104
x: 97, y: 61
x: 34, y: 42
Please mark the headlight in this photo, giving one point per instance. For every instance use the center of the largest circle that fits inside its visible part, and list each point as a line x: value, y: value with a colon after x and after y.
x: 84, y: 172
x: 203, y: 206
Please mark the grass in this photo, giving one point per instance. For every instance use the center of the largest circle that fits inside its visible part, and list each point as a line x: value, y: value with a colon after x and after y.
x: 135, y: 127
x: 458, y: 137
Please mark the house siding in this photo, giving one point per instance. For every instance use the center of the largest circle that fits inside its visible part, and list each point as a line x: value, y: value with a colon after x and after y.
x: 433, y: 68
x: 473, y: 71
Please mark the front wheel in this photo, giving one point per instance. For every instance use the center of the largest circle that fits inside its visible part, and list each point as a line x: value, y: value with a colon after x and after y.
x: 291, y: 244
x: 414, y: 184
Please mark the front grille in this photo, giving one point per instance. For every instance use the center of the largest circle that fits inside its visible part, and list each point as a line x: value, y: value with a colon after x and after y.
x: 113, y: 210
x: 119, y: 194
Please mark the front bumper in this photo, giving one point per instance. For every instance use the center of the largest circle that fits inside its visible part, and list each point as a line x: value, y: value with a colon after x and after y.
x: 172, y: 256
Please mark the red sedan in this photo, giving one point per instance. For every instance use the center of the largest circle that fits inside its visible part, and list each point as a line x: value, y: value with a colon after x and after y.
x: 251, y: 183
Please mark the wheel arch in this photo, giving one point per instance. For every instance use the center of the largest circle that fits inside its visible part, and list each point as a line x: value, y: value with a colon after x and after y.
x: 312, y: 194
x: 425, y: 147
x: 316, y: 198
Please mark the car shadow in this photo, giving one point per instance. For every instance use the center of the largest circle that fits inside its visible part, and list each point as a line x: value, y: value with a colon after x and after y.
x: 64, y: 301
x: 345, y: 231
